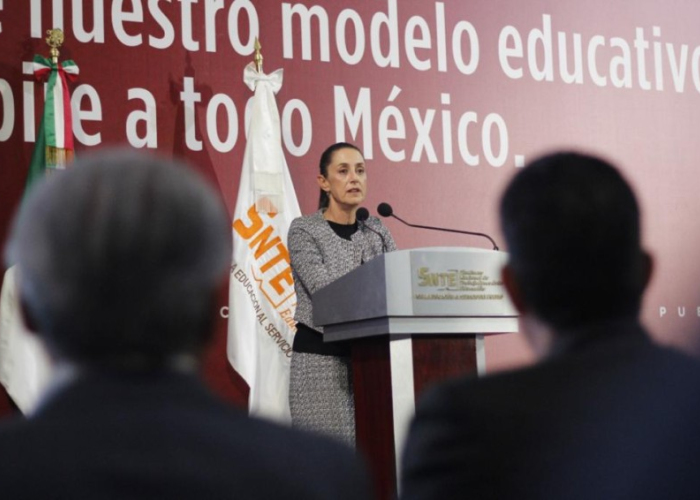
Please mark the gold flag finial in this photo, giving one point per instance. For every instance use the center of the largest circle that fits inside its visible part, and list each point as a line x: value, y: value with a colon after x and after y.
x: 258, y: 56
x: 54, y: 40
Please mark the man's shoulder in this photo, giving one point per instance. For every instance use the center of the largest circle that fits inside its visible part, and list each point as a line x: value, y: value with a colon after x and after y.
x: 569, y: 383
x: 572, y: 405
x: 226, y: 449
x: 473, y: 388
x: 14, y: 428
x: 304, y: 454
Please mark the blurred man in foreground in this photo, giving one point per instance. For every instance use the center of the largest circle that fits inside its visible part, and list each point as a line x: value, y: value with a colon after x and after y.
x: 605, y: 413
x: 119, y: 261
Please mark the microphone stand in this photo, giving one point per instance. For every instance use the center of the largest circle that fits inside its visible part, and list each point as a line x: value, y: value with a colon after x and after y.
x: 495, y: 247
x: 362, y: 215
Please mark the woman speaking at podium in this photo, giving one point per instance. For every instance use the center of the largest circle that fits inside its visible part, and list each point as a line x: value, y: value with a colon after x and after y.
x: 323, y: 247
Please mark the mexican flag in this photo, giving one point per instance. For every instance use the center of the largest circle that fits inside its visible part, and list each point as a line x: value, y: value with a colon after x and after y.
x: 24, y: 365
x: 54, y: 147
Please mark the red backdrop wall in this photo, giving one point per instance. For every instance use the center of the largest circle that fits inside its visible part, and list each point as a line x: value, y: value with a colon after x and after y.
x: 447, y: 99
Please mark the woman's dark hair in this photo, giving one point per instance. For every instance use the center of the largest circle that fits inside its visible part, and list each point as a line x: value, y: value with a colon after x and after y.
x: 326, y: 159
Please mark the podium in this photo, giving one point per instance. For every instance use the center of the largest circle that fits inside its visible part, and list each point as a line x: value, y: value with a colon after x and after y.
x: 413, y: 317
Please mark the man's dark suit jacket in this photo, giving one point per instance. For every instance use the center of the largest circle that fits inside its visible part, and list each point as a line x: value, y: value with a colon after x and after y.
x: 161, y: 437
x: 610, y: 415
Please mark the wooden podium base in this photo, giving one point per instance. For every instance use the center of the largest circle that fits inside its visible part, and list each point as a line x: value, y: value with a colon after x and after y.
x: 389, y: 374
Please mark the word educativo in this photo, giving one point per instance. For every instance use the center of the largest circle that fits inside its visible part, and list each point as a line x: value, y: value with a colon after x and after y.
x: 608, y: 61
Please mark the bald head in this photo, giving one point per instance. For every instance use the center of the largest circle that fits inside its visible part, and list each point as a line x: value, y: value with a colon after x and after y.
x: 120, y: 257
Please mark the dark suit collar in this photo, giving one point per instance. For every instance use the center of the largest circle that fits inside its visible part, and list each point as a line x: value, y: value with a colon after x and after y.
x: 95, y: 391
x: 603, y: 334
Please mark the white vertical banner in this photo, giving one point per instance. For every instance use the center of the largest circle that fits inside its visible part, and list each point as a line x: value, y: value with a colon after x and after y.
x: 24, y: 365
x: 261, y: 294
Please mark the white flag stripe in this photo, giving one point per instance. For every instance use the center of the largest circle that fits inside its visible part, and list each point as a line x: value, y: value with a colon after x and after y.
x: 262, y: 299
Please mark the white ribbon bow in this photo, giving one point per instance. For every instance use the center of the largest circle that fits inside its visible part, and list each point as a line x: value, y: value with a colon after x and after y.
x: 251, y: 77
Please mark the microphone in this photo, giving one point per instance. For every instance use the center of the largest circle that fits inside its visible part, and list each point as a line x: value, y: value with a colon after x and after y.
x: 385, y: 210
x: 362, y: 215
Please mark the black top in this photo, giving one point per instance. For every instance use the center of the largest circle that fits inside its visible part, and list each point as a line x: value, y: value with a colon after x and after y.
x: 309, y: 340
x: 343, y: 230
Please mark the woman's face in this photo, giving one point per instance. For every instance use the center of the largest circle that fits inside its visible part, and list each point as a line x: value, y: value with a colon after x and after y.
x: 346, y: 180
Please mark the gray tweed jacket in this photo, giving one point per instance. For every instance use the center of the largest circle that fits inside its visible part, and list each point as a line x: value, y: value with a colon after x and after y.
x: 319, y: 256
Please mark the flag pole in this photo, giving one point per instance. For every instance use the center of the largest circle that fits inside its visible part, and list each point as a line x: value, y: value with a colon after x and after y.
x: 56, y: 157
x: 54, y: 40
x: 258, y: 56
